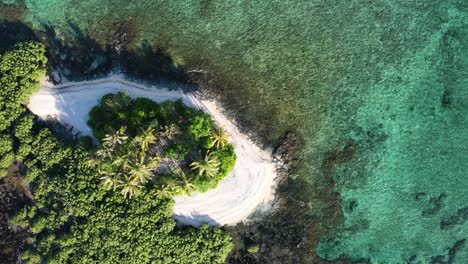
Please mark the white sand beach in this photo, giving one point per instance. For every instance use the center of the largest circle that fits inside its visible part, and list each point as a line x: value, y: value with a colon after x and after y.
x: 249, y: 185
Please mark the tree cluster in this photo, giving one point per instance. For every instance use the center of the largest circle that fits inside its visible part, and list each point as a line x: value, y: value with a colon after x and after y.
x: 20, y: 71
x: 140, y: 136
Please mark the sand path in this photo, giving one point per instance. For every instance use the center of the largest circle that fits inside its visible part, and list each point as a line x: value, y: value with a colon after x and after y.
x: 249, y: 185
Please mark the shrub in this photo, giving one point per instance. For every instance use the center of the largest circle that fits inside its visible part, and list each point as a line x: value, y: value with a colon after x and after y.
x: 253, y: 248
x: 227, y: 160
x: 200, y: 125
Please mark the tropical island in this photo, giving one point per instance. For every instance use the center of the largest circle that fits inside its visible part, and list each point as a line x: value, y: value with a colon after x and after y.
x: 360, y: 109
x: 108, y: 196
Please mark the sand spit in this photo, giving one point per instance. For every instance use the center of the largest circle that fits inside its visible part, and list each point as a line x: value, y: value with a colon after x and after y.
x: 249, y: 185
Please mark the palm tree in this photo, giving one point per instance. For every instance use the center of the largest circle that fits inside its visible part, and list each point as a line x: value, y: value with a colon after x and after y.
x: 167, y: 190
x: 153, y: 163
x: 185, y: 183
x: 121, y: 161
x: 104, y: 153
x: 139, y: 173
x: 126, y: 165
x: 141, y: 166
x: 220, y: 137
x: 208, y: 165
x: 146, y: 138
x: 130, y: 189
x: 92, y: 162
x: 170, y: 131
x: 117, y: 138
x: 188, y: 186
x: 111, y: 180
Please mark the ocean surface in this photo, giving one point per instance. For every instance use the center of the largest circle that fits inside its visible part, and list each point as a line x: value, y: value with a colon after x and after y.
x: 377, y: 90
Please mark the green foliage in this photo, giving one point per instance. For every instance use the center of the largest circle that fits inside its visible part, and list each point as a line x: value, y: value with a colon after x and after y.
x: 23, y: 127
x: 200, y: 125
x: 73, y: 214
x: 110, y: 115
x: 143, y: 111
x: 177, y: 151
x: 206, y: 166
x: 126, y: 164
x: 6, y: 144
x: 5, y: 161
x: 219, y: 137
x: 7, y: 157
x: 227, y: 159
x: 20, y: 70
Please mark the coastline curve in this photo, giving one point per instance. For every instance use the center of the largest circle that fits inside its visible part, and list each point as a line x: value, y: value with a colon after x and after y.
x: 249, y: 185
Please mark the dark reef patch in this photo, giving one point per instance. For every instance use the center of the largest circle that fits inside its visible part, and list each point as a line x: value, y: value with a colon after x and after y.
x: 449, y: 258
x: 434, y: 206
x: 446, y: 99
x: 291, y: 230
x: 458, y: 219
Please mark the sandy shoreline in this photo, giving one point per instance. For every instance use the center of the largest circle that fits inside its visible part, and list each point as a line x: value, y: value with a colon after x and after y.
x: 249, y: 185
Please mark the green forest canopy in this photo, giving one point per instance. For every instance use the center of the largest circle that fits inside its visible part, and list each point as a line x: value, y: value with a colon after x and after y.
x: 73, y: 217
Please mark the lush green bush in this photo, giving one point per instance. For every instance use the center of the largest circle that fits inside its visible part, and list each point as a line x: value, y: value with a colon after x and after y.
x: 200, y: 125
x: 112, y: 113
x: 20, y: 70
x: 227, y: 159
x: 118, y: 110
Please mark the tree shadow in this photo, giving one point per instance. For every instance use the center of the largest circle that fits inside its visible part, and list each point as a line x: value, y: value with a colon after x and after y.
x: 12, y: 32
x: 151, y: 64
x: 80, y: 57
x: 195, y: 219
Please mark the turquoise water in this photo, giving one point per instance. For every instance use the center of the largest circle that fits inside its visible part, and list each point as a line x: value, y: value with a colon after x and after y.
x: 413, y: 129
x: 388, y: 78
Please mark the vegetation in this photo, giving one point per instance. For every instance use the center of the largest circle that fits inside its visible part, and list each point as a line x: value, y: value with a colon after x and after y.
x: 253, y: 248
x: 219, y: 137
x: 125, y: 164
x: 177, y: 147
x: 208, y: 166
x: 73, y: 217
x: 73, y: 214
x: 20, y: 70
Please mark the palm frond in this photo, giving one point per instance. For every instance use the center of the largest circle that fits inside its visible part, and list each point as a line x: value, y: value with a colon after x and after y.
x: 220, y: 137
